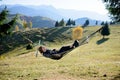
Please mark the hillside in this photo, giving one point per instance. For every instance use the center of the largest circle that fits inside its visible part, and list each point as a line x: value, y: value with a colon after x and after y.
x: 37, y: 21
x: 97, y: 60
x: 50, y: 35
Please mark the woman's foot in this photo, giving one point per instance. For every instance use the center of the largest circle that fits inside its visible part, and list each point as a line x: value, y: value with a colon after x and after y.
x: 76, y: 43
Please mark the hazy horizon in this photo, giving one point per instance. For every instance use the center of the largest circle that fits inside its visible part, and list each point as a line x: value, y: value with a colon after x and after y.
x: 84, y: 5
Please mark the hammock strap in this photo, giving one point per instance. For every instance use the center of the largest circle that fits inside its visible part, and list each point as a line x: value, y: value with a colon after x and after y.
x: 90, y: 36
x: 60, y: 55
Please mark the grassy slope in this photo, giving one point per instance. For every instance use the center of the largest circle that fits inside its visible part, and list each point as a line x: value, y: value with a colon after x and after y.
x: 48, y: 36
x: 98, y: 60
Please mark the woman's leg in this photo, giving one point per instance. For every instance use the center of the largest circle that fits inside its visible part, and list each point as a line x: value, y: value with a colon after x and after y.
x: 65, y: 48
x: 61, y: 52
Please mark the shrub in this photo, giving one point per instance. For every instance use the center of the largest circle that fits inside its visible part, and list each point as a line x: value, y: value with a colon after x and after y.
x: 29, y: 46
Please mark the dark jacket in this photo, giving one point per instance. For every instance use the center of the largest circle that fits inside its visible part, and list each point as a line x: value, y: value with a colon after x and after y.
x: 49, y: 53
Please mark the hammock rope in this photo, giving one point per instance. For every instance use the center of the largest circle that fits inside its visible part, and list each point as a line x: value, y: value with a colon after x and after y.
x: 58, y: 56
x: 92, y: 34
x: 83, y: 41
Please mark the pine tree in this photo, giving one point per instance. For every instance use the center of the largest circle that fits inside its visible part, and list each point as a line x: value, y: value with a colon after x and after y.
x: 3, y: 15
x: 62, y: 23
x: 105, y: 31
x: 68, y: 22
x: 102, y: 23
x: 74, y: 23
x: 96, y: 23
x: 86, y: 23
x: 56, y: 24
x: 5, y: 27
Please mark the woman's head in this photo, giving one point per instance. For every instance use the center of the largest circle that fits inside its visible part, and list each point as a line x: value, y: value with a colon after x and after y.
x: 42, y: 49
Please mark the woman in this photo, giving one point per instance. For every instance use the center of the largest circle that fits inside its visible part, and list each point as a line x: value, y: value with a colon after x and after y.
x: 57, y: 54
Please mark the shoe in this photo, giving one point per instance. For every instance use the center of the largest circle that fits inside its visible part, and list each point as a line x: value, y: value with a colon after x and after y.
x: 76, y: 43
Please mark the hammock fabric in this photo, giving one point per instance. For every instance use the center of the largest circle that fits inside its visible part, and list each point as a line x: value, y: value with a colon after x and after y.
x: 84, y: 40
x: 60, y: 55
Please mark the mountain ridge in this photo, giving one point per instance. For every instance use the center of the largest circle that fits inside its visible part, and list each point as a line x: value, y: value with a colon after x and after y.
x: 53, y: 13
x: 45, y: 16
x: 37, y: 21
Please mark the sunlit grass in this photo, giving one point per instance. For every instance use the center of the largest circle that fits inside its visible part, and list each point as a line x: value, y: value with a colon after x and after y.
x: 91, y: 61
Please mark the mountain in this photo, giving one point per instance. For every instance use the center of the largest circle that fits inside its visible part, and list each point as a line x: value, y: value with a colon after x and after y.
x: 37, y: 21
x: 45, y: 11
x: 53, y: 13
x: 22, y: 10
x: 81, y: 21
x: 69, y: 13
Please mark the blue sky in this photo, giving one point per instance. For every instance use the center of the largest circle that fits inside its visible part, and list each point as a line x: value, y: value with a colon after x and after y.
x: 87, y: 5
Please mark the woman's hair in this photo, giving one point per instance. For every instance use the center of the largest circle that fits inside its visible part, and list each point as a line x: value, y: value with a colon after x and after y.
x: 40, y: 49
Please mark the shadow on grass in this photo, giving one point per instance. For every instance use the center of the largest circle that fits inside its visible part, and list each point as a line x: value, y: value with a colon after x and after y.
x: 102, y: 41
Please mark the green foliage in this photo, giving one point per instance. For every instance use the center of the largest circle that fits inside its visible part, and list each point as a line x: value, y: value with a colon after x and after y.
x: 46, y: 35
x: 96, y: 23
x: 56, y: 24
x: 86, y: 23
x: 102, y: 23
x: 73, y: 22
x: 6, y: 26
x: 70, y: 22
x: 105, y: 31
x: 29, y: 46
x: 113, y: 6
x: 3, y: 15
x: 61, y: 23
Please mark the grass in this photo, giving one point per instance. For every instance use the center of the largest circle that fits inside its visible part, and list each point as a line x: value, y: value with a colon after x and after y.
x: 46, y: 35
x: 91, y: 61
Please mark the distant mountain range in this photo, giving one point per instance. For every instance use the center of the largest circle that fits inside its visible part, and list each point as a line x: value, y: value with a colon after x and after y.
x: 45, y: 11
x: 38, y: 21
x: 45, y: 16
x: 92, y: 22
x: 53, y: 13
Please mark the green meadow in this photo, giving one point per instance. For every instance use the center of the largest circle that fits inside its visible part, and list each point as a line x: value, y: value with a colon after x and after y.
x: 97, y: 60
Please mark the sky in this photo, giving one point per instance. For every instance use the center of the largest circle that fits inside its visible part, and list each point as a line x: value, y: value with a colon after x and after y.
x: 86, y: 5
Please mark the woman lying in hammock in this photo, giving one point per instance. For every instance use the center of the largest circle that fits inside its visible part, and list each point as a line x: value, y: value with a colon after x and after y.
x: 57, y: 54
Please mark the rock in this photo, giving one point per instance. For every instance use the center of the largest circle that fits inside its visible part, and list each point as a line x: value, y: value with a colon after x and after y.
x: 104, y: 75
